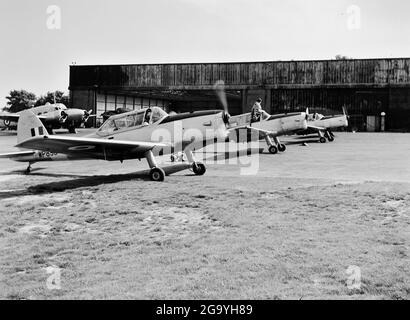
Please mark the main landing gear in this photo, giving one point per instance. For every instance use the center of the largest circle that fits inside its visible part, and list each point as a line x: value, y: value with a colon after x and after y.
x: 71, y: 129
x: 156, y: 173
x: 330, y: 136
x: 28, y: 170
x: 276, y: 146
x: 326, y: 135
x: 197, y: 167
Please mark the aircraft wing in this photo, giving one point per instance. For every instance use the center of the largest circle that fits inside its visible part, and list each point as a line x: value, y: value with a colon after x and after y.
x: 315, y: 128
x: 14, y: 117
x: 249, y: 133
x: 91, y: 147
x: 16, y: 154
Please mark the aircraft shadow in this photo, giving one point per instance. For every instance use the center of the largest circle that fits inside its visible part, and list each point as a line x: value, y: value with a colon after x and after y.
x: 235, y: 154
x: 35, y: 173
x: 305, y: 140
x: 86, y: 181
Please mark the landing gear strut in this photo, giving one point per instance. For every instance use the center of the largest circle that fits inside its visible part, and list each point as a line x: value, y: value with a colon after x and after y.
x: 330, y: 136
x: 156, y: 173
x: 71, y: 129
x: 28, y: 170
x: 281, y: 146
x: 197, y: 167
x: 276, y: 146
x: 322, y: 138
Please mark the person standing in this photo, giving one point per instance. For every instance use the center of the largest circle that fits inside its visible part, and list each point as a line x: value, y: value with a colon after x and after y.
x: 257, y: 111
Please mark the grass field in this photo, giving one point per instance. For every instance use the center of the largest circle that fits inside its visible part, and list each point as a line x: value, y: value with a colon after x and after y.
x: 289, y: 232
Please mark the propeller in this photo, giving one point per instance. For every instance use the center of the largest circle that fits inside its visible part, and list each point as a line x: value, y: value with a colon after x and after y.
x: 87, y: 115
x: 63, y: 117
x: 345, y: 112
x: 220, y: 92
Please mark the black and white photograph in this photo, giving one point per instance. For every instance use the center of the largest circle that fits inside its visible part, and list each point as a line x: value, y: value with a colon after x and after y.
x: 204, y: 151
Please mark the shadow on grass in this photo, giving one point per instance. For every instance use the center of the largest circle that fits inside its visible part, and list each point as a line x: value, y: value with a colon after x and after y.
x: 86, y: 181
x: 34, y: 172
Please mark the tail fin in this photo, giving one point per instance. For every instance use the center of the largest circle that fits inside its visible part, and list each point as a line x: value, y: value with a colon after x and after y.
x: 29, y: 126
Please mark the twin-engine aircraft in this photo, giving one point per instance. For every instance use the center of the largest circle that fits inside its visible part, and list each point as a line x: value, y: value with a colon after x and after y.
x: 323, y: 125
x: 54, y: 116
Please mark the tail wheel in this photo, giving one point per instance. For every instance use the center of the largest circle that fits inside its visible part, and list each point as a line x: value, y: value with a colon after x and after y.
x: 157, y: 174
x: 322, y: 140
x: 273, y: 149
x: 199, y: 168
x: 282, y: 148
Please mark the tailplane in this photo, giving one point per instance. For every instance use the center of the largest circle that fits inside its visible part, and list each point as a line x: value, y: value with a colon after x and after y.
x: 29, y: 126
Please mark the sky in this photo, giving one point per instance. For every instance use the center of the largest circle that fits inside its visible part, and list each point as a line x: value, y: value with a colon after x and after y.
x: 37, y: 48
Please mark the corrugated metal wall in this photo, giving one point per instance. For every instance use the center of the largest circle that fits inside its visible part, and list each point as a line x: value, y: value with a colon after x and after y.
x: 357, y: 101
x: 297, y: 73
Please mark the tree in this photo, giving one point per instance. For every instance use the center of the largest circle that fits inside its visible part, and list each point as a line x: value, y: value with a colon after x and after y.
x: 49, y: 98
x: 341, y: 57
x: 19, y: 100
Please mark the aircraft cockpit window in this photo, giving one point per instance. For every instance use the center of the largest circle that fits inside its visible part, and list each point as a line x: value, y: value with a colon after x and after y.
x: 139, y: 119
x: 121, y: 123
x: 108, y: 127
x: 129, y: 120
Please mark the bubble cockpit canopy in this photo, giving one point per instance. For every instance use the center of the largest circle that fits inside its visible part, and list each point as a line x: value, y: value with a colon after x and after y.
x: 133, y: 119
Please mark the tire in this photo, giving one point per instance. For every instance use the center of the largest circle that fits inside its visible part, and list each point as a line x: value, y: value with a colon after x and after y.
x: 173, y: 158
x: 157, y: 174
x: 199, y: 168
x: 281, y: 148
x: 322, y: 140
x: 330, y: 138
x: 273, y: 150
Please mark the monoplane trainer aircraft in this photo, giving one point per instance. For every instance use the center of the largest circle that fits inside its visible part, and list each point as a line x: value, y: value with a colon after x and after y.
x: 145, y: 133
x: 53, y: 116
x: 271, y: 127
x: 323, y: 125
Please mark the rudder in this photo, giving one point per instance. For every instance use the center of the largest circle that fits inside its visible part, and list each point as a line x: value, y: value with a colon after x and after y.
x: 29, y: 126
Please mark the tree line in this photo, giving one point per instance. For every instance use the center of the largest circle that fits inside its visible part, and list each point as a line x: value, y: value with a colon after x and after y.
x: 19, y: 100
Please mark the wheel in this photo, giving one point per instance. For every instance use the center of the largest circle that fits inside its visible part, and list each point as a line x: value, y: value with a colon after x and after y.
x: 273, y: 149
x: 282, y: 148
x: 322, y: 140
x: 71, y: 129
x: 173, y: 158
x: 199, y: 168
x: 157, y: 174
x: 330, y: 138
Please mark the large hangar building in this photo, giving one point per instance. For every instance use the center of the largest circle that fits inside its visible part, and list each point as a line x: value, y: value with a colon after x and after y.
x: 366, y: 87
